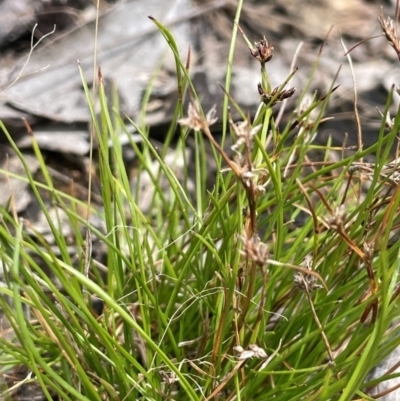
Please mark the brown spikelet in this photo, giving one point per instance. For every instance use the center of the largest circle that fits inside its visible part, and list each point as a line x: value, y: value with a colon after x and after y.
x: 390, y: 32
x: 266, y: 97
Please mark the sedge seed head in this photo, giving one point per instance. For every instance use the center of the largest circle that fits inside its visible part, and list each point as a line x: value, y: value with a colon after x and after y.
x: 263, y: 51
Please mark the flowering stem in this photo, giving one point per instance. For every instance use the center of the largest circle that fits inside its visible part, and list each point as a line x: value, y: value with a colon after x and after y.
x: 264, y: 78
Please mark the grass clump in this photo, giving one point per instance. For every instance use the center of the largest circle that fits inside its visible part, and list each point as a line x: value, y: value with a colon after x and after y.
x: 279, y: 283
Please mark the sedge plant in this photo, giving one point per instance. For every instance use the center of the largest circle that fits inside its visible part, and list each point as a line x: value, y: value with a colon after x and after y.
x: 279, y: 282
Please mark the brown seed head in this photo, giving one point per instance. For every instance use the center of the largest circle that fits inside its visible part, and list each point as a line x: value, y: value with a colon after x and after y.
x: 255, y: 250
x: 306, y: 282
x: 263, y: 51
x: 195, y: 119
x: 244, y: 133
x: 390, y: 32
x: 336, y: 222
x: 266, y: 97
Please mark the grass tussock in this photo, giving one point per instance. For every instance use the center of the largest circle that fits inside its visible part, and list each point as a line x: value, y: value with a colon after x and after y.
x: 279, y: 283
